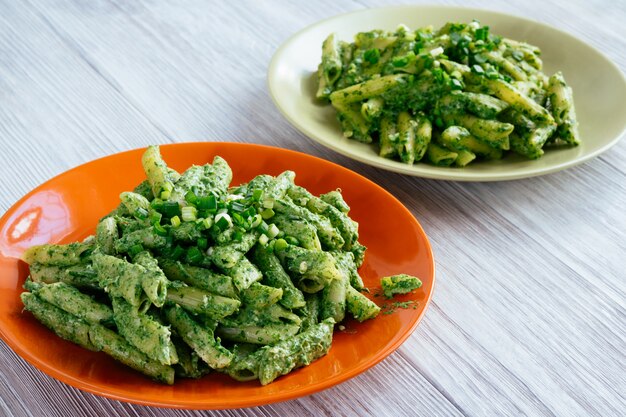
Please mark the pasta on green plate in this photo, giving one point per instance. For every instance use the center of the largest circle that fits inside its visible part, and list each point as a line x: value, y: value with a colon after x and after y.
x: 190, y: 275
x: 448, y: 96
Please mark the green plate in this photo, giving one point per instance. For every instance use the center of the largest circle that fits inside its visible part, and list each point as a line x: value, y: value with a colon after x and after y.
x: 599, y: 89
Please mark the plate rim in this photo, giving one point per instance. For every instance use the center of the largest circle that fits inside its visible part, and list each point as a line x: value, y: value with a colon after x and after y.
x: 122, y: 395
x: 414, y: 170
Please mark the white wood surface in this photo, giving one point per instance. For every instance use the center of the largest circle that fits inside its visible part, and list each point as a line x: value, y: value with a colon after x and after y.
x: 529, y: 311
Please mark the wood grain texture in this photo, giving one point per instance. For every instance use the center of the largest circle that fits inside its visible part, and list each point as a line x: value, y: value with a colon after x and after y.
x: 529, y: 312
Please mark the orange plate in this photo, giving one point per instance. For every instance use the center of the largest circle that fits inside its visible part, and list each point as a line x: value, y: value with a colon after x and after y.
x: 67, y: 208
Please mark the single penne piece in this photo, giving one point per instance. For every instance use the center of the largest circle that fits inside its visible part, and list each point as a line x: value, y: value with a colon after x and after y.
x: 58, y: 255
x: 494, y: 132
x: 333, y: 299
x: 505, y: 65
x: 71, y: 300
x: 200, y: 338
x: 405, y: 145
x: 388, y: 138
x: 361, y: 307
x: 143, y: 332
x: 106, y: 235
x: 198, y: 277
x: 197, y: 301
x: 484, y: 105
x: 440, y: 156
x: 154, y: 282
x: 367, y: 89
x: 275, y: 275
x: 413, y: 64
x: 81, y: 275
x: 245, y: 363
x: 561, y: 101
x: 331, y: 60
x: 296, y: 351
x: 399, y: 284
x: 117, y: 347
x: 507, y: 92
x: 338, y: 219
x: 464, y: 158
x: 301, y: 262
x: 334, y: 198
x: 529, y: 143
x: 260, y: 296
x: 329, y: 236
x: 227, y: 255
x: 459, y: 139
x: 423, y: 135
x: 148, y: 238
x: 300, y: 229
x: 244, y: 273
x: 136, y: 204
x: 347, y: 266
x: 273, y: 187
x: 372, y: 108
x: 64, y: 324
x: 120, y: 278
x: 260, y: 334
x: 353, y: 124
x: 156, y: 171
x: 323, y: 88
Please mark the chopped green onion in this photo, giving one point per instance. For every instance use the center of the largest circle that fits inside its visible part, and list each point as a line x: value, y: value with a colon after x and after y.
x: 372, y: 56
x: 257, y: 194
x: 237, y: 206
x: 135, y: 249
x: 191, y: 197
x: 207, y: 203
x: 263, y: 227
x: 169, y: 208
x: 189, y: 213
x: 141, y: 213
x: 194, y: 255
x: 175, y: 221
x: 223, y: 221
x: 482, y: 33
x: 168, y: 186
x: 160, y: 230
x: 203, y: 243
x: 267, y: 214
x: 177, y: 252
x: 267, y: 203
x: 155, y: 217
x: 280, y: 244
x: 165, y: 195
x: 237, y: 236
x: 238, y: 219
x: 206, y: 223
x: 272, y: 231
x: 263, y: 239
x: 249, y: 212
x: 256, y: 221
x: 156, y: 204
x: 292, y: 240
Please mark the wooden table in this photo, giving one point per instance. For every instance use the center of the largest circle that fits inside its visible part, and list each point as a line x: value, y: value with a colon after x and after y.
x: 529, y: 312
